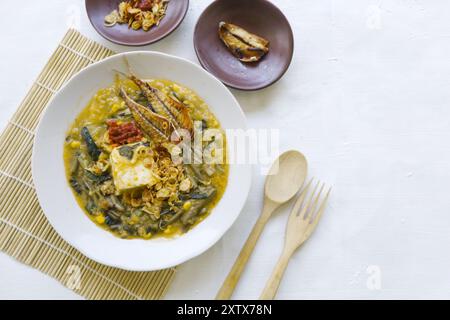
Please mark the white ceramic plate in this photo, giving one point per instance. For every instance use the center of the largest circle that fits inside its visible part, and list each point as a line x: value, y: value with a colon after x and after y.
x: 57, y: 199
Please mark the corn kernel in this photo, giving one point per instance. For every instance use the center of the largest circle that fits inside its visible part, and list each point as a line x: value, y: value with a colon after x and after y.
x: 75, y: 144
x: 168, y: 230
x: 147, y: 235
x: 187, y: 205
x: 115, y: 107
x: 133, y: 220
x: 100, y: 219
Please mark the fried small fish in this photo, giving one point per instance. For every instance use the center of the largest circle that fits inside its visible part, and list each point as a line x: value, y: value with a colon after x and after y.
x: 246, y: 46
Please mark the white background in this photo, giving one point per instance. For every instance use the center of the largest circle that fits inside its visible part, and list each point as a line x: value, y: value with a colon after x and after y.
x: 366, y: 99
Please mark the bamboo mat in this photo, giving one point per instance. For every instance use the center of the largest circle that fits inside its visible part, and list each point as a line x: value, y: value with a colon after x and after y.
x: 25, y: 233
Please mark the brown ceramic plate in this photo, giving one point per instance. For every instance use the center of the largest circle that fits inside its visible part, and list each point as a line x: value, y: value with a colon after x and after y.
x: 121, y: 34
x: 256, y: 16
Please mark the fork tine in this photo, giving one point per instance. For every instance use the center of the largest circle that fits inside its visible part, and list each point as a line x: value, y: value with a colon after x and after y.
x: 307, y: 206
x: 298, y: 204
x: 316, y: 201
x: 316, y: 218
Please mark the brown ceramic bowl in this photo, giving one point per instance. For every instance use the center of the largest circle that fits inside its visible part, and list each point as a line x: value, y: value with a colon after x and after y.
x: 121, y: 34
x: 256, y: 16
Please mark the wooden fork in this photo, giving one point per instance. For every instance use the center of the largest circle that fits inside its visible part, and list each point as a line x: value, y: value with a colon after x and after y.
x: 301, y: 223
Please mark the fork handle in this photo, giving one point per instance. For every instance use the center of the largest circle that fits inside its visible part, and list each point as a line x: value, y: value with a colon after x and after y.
x: 234, y: 275
x: 274, y: 281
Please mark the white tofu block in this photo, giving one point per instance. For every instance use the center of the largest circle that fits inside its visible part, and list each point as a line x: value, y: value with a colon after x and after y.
x: 129, y: 174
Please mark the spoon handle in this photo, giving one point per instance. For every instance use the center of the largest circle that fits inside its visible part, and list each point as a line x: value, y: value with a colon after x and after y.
x: 232, y: 279
x: 271, y: 288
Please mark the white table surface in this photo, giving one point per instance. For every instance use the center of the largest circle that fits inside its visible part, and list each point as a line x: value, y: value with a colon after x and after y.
x: 366, y: 99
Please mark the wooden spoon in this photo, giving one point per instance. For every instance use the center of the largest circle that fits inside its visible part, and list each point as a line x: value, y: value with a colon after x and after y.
x: 284, y: 180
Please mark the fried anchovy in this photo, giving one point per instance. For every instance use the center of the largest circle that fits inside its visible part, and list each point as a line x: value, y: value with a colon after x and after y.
x: 164, y: 105
x: 249, y: 38
x: 153, y: 124
x: 246, y: 46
